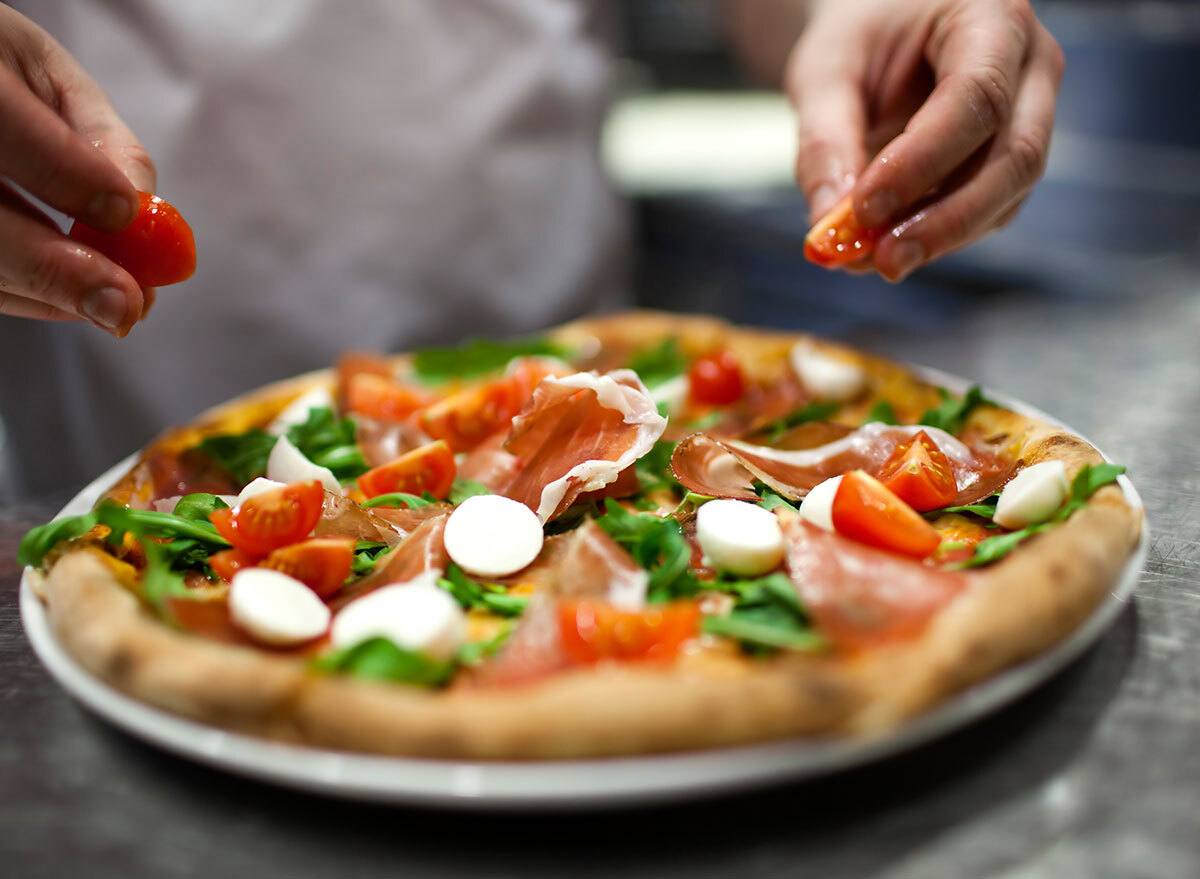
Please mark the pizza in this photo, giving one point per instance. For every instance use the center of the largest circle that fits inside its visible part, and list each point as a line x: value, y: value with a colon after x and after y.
x: 636, y: 533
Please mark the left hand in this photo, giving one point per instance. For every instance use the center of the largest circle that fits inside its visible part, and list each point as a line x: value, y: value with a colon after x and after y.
x: 936, y: 113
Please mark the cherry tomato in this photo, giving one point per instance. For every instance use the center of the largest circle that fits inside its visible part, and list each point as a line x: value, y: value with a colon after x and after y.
x: 837, y: 240
x: 229, y: 561
x: 428, y: 468
x: 595, y: 630
x: 380, y: 397
x: 157, y: 248
x: 353, y: 363
x: 467, y: 418
x: 272, y: 519
x: 320, y: 563
x: 863, y: 509
x: 716, y: 379
x: 919, y: 473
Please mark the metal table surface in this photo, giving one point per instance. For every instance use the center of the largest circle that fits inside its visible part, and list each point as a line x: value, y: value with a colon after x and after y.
x: 1095, y: 774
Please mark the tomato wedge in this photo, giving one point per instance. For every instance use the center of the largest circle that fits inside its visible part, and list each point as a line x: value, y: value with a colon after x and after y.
x: 716, y: 379
x: 863, y: 509
x: 428, y: 468
x: 353, y: 363
x: 594, y: 630
x: 320, y: 563
x: 228, y: 562
x: 837, y: 239
x: 157, y: 248
x: 467, y: 418
x: 919, y: 473
x: 272, y: 519
x: 379, y: 397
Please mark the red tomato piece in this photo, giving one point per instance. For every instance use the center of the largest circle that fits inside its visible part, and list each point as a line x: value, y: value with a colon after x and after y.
x: 467, y: 418
x: 837, y: 239
x: 353, y: 363
x: 863, y: 509
x: 919, y: 473
x: 272, y: 519
x: 716, y: 379
x: 157, y: 248
x: 428, y: 468
x: 229, y: 561
x: 595, y: 630
x: 380, y: 397
x: 320, y: 563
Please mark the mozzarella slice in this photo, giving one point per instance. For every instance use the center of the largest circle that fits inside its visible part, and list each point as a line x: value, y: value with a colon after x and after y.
x: 258, y: 486
x: 286, y: 464
x: 817, y: 506
x: 829, y: 377
x: 493, y: 536
x: 672, y: 393
x: 275, y: 608
x: 1032, y: 495
x: 417, y: 615
x: 739, y: 537
x: 296, y: 412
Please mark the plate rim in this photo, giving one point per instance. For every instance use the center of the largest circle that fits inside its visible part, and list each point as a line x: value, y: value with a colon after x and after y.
x: 581, y: 784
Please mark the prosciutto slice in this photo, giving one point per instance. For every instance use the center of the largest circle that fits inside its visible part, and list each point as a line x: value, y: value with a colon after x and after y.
x: 577, y: 434
x: 384, y: 441
x: 342, y: 517
x: 420, y: 551
x: 727, y: 468
x: 596, y: 566
x: 860, y: 596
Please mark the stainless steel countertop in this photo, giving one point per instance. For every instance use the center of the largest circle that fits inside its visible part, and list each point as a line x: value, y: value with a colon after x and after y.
x: 1096, y: 774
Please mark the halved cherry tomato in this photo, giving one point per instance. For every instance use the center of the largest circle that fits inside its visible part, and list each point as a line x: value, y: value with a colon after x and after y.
x: 428, y: 468
x: 716, y: 379
x: 865, y: 510
x: 919, y: 473
x: 467, y: 418
x: 272, y: 519
x: 837, y: 239
x: 352, y: 363
x: 380, y: 397
x: 595, y: 630
x: 320, y: 563
x: 228, y: 562
x: 157, y: 248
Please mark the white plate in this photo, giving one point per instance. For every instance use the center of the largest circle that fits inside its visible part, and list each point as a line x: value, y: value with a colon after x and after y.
x: 562, y: 784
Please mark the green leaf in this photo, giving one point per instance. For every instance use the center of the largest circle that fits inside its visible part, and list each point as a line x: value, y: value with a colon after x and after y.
x: 754, y: 634
x: 152, y: 523
x: 399, y: 499
x: 881, y: 411
x: 39, y: 541
x: 366, y: 554
x: 465, y: 488
x: 159, y: 579
x: 244, y: 455
x: 491, y: 597
x: 818, y: 411
x: 479, y: 356
x: 704, y: 422
x: 994, y: 548
x: 198, y: 507
x: 659, y: 364
x: 476, y: 651
x: 381, y: 659
x: 984, y: 509
x: 952, y: 413
x: 656, y: 544
x: 771, y: 500
x: 768, y: 615
x: 653, y: 469
x: 329, y: 442
x: 1092, y: 478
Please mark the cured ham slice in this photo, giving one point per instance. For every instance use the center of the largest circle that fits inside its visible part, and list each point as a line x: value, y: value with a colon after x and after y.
x: 383, y: 441
x: 489, y: 463
x: 860, y: 596
x: 727, y: 468
x: 532, y: 652
x: 577, y: 434
x: 420, y: 551
x: 342, y: 517
x: 405, y: 520
x: 596, y: 566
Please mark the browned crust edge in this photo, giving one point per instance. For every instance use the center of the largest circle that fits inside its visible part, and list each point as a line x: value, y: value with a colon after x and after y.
x: 1014, y: 610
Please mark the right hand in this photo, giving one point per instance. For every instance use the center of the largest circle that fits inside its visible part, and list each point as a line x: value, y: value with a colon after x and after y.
x: 63, y: 143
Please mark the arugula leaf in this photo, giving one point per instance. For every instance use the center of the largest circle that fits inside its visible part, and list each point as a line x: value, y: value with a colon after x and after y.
x: 198, y: 507
x: 704, y: 422
x: 159, y: 579
x: 381, y: 659
x: 653, y: 469
x: 479, y: 356
x: 817, y: 411
x: 659, y: 364
x: 771, y: 500
x: 400, y: 498
x: 475, y: 652
x: 984, y: 509
x: 992, y: 548
x: 465, y: 488
x: 488, y: 596
x: 754, y: 634
x: 881, y: 411
x: 36, y: 545
x: 366, y: 554
x: 951, y: 414
x: 768, y: 615
x: 1092, y: 478
x: 244, y: 455
x: 656, y: 544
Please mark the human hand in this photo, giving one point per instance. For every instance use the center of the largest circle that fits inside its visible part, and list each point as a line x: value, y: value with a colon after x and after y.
x: 62, y: 142
x: 937, y: 114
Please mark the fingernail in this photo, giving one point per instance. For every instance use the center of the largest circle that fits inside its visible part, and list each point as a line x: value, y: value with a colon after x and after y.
x: 110, y: 210
x: 906, y: 256
x: 105, y: 307
x: 823, y: 199
x: 878, y: 208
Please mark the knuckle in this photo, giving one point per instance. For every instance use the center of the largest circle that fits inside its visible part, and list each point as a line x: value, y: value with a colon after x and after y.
x: 46, y: 276
x: 989, y: 95
x: 1027, y: 155
x: 1021, y: 14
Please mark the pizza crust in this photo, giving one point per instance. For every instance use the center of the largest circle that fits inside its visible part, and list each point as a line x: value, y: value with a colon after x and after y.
x: 1013, y: 610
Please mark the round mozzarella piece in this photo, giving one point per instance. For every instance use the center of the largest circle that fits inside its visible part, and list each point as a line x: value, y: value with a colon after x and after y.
x: 829, y: 377
x: 493, y: 536
x: 258, y: 486
x: 739, y: 537
x: 275, y: 608
x: 1032, y: 495
x: 418, y: 615
x: 817, y: 506
x: 296, y: 412
x: 286, y: 464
